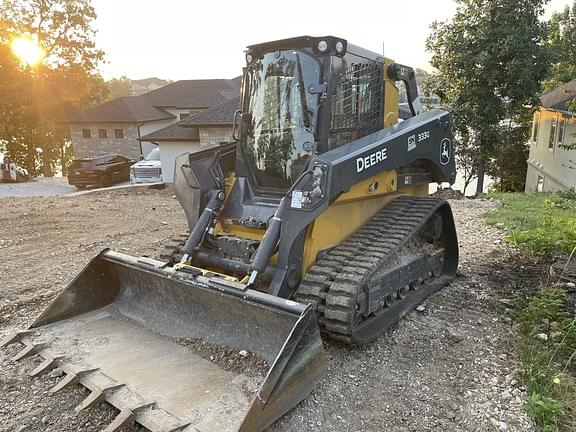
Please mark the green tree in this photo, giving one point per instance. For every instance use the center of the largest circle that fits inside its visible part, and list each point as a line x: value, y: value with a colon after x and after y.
x: 562, y: 41
x: 36, y: 99
x: 120, y: 87
x: 508, y: 164
x: 490, y: 60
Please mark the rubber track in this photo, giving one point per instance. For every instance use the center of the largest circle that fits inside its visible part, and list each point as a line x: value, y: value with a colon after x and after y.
x: 334, y: 285
x: 170, y: 250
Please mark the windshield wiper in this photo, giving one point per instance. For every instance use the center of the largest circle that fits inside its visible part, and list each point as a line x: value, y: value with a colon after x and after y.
x: 302, y: 88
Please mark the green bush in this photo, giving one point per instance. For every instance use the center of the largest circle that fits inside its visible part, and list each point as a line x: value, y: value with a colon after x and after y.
x: 543, y: 223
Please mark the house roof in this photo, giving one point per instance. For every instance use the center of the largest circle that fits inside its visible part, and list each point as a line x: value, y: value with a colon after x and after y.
x: 174, y: 132
x: 194, y: 93
x: 221, y: 114
x: 129, y: 109
x: 557, y: 98
x: 148, y: 107
x: 187, y: 129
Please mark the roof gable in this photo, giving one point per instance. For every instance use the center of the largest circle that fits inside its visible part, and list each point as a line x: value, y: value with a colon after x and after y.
x: 174, y: 132
x: 129, y: 109
x: 148, y: 107
x: 194, y: 93
x: 221, y: 114
x: 560, y: 96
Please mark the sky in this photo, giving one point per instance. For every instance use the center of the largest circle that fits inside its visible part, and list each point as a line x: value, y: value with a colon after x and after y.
x: 192, y: 39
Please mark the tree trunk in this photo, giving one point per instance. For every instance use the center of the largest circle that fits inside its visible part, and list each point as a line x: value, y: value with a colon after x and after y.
x: 63, y: 159
x: 480, y: 184
x: 46, y: 165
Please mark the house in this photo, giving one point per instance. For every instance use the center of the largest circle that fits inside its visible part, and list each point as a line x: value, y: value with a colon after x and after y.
x: 550, y: 166
x: 206, y: 129
x: 119, y: 125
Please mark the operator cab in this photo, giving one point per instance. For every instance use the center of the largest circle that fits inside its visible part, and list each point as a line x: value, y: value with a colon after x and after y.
x: 300, y: 97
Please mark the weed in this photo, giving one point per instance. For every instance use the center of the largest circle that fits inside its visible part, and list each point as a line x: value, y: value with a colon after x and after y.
x: 546, y: 367
x: 542, y: 223
x: 545, y: 224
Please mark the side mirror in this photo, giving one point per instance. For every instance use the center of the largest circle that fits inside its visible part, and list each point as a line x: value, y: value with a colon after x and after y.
x: 240, y: 125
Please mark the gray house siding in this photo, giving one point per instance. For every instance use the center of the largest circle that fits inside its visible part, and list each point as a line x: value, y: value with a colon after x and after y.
x: 550, y: 167
x: 212, y: 136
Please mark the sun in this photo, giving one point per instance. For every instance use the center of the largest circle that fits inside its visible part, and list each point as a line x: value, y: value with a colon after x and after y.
x: 27, y: 50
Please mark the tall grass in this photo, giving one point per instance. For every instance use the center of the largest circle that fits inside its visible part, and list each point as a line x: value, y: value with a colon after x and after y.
x: 545, y: 225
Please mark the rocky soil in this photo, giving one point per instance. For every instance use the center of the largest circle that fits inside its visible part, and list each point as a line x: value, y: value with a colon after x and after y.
x: 446, y: 367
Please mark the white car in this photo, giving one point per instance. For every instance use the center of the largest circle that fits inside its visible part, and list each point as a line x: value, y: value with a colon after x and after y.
x: 148, y: 170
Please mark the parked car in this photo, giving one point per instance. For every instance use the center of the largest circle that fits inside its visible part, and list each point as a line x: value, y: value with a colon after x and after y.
x: 12, y: 173
x: 148, y: 170
x: 99, y: 171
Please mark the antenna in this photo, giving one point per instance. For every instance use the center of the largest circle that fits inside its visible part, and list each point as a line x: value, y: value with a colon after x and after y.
x: 383, y: 50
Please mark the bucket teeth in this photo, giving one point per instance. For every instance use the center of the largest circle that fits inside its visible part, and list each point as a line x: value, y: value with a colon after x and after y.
x: 28, y: 351
x: 14, y: 337
x: 48, y: 363
x: 71, y: 378
x: 126, y: 416
x: 68, y: 380
x: 187, y: 427
x: 123, y: 418
x: 96, y: 396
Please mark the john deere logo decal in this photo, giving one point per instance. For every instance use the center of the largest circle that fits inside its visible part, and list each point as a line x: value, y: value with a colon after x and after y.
x: 445, y: 151
x: 411, y: 142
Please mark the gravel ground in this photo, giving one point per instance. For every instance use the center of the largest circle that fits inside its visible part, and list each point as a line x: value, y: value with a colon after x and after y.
x: 444, y: 368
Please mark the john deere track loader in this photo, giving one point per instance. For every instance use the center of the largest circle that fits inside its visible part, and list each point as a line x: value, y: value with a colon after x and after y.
x: 316, y: 220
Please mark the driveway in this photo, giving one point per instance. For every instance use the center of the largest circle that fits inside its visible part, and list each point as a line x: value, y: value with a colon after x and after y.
x: 41, y: 187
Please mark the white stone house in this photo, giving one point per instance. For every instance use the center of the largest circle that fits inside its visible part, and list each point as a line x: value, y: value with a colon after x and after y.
x: 119, y: 125
x: 208, y: 128
x: 551, y: 167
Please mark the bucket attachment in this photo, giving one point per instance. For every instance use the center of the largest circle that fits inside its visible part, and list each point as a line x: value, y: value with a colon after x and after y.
x: 175, y: 351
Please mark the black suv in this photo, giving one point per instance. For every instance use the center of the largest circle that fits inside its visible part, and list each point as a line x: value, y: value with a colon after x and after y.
x: 100, y: 171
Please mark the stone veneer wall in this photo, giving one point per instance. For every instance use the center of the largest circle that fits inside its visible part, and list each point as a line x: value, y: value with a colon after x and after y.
x: 95, y: 146
x: 211, y: 136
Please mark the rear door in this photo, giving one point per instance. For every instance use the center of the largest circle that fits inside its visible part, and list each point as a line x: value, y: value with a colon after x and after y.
x: 126, y: 164
x: 121, y: 168
x: 110, y: 166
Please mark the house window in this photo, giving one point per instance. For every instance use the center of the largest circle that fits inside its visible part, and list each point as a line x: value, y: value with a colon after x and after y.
x: 535, y: 130
x: 86, y: 133
x: 553, y: 127
x: 119, y: 133
x: 184, y: 115
x: 540, y: 184
x: 102, y: 133
x: 561, y: 130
